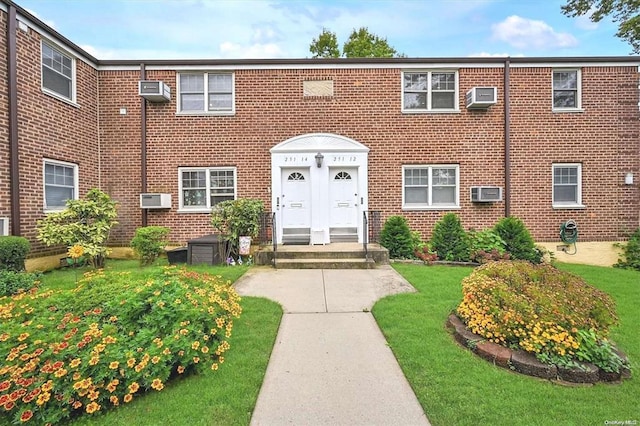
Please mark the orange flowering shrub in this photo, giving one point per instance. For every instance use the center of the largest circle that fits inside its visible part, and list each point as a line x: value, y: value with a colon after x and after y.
x: 69, y: 353
x: 536, y: 308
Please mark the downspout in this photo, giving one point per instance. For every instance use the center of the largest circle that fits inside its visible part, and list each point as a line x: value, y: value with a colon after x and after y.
x: 507, y: 140
x: 143, y: 143
x: 12, y: 83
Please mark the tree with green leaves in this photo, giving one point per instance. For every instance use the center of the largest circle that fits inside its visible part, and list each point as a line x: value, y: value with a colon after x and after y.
x: 86, y: 223
x: 625, y: 12
x: 325, y: 46
x: 361, y: 44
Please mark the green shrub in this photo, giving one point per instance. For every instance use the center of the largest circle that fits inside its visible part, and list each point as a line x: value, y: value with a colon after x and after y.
x: 86, y: 223
x: 449, y: 240
x: 517, y: 239
x: 12, y: 282
x: 149, y: 242
x: 630, y: 258
x: 396, y: 237
x: 13, y: 252
x: 80, y: 352
x: 541, y: 310
x: 237, y: 218
x: 486, y: 246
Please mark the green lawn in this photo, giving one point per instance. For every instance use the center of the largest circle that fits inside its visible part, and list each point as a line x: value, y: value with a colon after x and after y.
x: 224, y: 397
x: 457, y: 388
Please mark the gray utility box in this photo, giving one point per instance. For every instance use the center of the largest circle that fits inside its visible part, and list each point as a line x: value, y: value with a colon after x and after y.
x: 210, y: 249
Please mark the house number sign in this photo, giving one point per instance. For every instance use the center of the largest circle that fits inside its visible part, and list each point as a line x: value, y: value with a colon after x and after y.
x: 295, y: 159
x: 344, y: 158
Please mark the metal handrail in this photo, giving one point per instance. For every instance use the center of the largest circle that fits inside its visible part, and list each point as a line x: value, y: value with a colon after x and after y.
x: 273, y: 235
x: 365, y: 233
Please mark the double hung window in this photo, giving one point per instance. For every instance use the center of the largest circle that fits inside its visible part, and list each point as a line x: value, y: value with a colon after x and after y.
x: 566, y: 90
x: 203, y: 188
x: 567, y: 185
x: 58, y: 71
x: 431, y: 186
x: 430, y: 91
x: 60, y: 184
x: 210, y: 93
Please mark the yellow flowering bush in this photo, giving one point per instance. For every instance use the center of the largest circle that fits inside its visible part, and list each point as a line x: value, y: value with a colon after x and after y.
x: 99, y: 346
x: 536, y: 308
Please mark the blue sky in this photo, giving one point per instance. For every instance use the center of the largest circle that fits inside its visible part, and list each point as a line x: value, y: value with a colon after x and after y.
x: 215, y: 29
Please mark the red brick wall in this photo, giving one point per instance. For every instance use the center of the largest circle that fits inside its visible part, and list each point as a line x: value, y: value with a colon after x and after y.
x: 5, y: 198
x: 52, y: 129
x: 603, y: 138
x: 366, y: 106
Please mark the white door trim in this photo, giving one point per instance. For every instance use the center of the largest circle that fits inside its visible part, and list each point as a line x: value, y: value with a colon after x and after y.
x: 300, y: 152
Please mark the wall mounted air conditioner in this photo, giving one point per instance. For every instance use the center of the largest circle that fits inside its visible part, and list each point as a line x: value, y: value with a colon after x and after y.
x: 486, y: 194
x: 155, y: 201
x: 154, y: 91
x: 481, y: 97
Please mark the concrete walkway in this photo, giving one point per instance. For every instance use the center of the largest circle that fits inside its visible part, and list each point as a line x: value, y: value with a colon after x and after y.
x: 331, y: 364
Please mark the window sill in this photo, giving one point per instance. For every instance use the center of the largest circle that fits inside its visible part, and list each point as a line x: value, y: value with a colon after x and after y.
x: 60, y: 98
x: 569, y: 207
x: 199, y: 210
x: 206, y: 114
x: 417, y: 208
x: 567, y: 110
x: 431, y: 111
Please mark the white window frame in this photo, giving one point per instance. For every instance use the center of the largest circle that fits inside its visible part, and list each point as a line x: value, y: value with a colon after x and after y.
x: 578, y: 107
x: 76, y: 187
x: 203, y: 209
x: 52, y: 92
x: 429, y: 92
x: 429, y: 204
x: 4, y: 226
x: 206, y: 110
x: 567, y: 205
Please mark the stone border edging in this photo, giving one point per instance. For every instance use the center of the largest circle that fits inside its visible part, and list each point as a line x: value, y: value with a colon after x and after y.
x: 525, y: 363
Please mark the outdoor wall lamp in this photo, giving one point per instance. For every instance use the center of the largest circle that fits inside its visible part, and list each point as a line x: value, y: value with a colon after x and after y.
x: 319, y: 158
x: 628, y: 179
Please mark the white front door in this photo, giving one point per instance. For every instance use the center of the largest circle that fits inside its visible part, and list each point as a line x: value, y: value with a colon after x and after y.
x: 296, y: 204
x: 343, y: 199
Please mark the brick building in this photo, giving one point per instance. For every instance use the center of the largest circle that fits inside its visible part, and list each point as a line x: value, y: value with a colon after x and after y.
x: 321, y: 142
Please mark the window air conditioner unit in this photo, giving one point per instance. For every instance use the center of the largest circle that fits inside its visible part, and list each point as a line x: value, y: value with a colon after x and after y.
x: 481, y: 97
x: 486, y: 194
x: 154, y: 91
x: 155, y: 201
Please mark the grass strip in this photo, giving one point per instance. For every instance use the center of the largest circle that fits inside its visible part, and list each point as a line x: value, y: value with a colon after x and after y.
x: 456, y: 387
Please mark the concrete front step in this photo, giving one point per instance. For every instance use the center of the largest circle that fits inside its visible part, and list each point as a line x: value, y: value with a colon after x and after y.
x: 325, y: 263
x: 316, y: 254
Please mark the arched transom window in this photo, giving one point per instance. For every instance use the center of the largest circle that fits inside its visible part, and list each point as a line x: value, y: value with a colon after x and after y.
x: 296, y: 176
x: 342, y: 176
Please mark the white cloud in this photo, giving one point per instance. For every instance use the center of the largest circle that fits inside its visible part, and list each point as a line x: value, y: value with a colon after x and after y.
x: 524, y: 33
x: 253, y: 51
x: 584, y: 22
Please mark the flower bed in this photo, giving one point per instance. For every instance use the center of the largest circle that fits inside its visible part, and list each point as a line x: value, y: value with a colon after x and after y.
x: 552, y: 315
x: 99, y: 346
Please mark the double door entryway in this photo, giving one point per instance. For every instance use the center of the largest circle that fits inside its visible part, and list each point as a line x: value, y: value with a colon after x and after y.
x: 319, y: 189
x: 341, y: 206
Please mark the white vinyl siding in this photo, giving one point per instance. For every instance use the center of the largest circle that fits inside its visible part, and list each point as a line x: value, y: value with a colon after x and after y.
x: 431, y: 186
